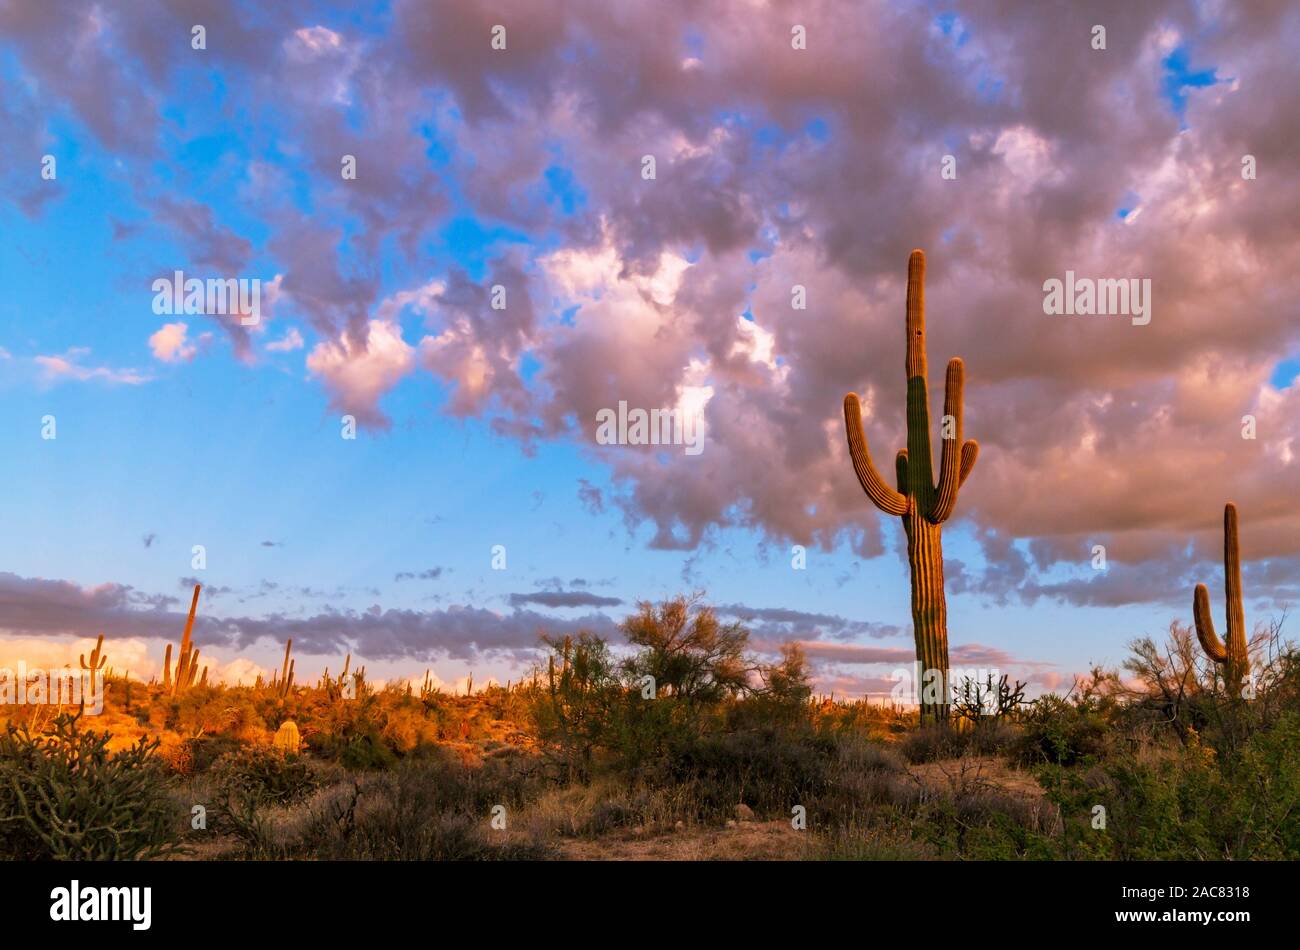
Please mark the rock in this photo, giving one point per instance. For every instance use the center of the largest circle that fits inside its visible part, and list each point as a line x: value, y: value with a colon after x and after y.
x: 744, y: 812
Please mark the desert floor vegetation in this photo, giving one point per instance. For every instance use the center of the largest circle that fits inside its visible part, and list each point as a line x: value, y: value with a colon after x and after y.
x: 678, y: 745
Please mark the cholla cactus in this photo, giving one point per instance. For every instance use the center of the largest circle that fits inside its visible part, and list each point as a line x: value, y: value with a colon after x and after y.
x: 1234, y: 655
x: 97, y: 661
x: 287, y: 737
x: 922, y: 504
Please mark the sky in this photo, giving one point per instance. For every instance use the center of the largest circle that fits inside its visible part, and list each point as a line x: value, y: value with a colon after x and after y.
x: 794, y: 145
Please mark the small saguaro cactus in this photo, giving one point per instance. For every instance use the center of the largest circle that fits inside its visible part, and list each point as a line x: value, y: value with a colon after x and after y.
x: 1234, y: 655
x: 922, y: 504
x: 97, y: 661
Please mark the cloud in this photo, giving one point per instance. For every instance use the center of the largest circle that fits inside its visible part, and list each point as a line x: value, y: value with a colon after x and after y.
x: 68, y: 366
x: 810, y: 172
x: 292, y: 340
x: 783, y: 622
x: 432, y: 573
x: 127, y: 655
x: 560, y: 598
x: 169, y: 343
x: 36, y: 607
x: 40, y: 607
x: 358, y: 375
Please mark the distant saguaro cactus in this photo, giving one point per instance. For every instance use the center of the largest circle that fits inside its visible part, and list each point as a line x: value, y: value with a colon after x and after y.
x: 1233, y: 656
x: 922, y: 504
x: 284, y: 686
x: 187, y: 662
x: 97, y: 661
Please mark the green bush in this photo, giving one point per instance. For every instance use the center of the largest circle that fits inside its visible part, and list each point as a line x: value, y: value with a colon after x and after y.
x: 770, y: 770
x: 65, y: 797
x: 1188, y: 802
x: 264, y: 776
x: 1059, y: 732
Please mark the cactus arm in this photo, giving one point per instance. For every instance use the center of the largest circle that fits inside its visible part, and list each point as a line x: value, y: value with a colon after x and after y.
x: 1210, y: 641
x: 900, y: 470
x: 885, y: 498
x: 950, y: 456
x: 970, y: 451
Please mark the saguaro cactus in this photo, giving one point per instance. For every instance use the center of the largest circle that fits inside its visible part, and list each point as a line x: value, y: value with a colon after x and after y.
x: 922, y: 504
x: 187, y: 663
x: 97, y: 661
x: 283, y: 681
x: 1233, y: 656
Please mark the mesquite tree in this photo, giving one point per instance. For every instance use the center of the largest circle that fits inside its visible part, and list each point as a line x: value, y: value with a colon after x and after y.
x: 922, y: 504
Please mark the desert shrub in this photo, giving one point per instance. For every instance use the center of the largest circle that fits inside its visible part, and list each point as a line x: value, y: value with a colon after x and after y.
x: 992, y: 737
x: 1187, y: 802
x: 769, y: 770
x: 688, y: 651
x: 864, y: 775
x: 361, y: 750
x: 64, y: 796
x: 437, y: 810
x: 351, y: 733
x: 578, y: 811
x: 205, y: 751
x: 1061, y: 732
x: 264, y: 775
x: 931, y: 742
x: 576, y: 709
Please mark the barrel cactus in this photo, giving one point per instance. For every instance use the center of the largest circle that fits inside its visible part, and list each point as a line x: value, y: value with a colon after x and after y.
x: 287, y: 738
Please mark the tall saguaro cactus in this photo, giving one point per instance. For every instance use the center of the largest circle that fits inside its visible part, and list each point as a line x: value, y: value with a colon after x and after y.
x: 1234, y: 655
x: 921, y: 503
x: 187, y: 661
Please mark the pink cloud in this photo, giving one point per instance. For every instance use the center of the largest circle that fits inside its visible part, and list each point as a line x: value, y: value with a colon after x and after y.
x: 358, y: 375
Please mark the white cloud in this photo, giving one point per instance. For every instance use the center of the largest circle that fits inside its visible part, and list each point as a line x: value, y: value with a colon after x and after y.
x: 58, y: 368
x: 169, y: 343
x: 292, y: 340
